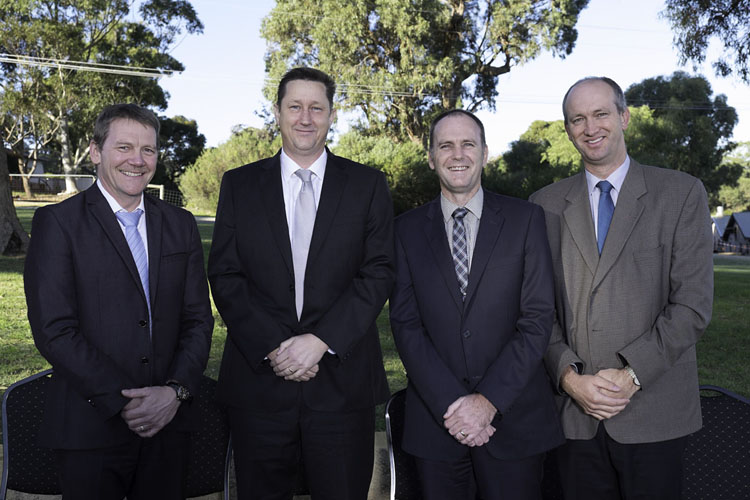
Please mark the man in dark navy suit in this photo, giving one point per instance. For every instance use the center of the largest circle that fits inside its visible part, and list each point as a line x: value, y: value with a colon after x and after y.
x: 300, y: 267
x: 118, y: 304
x: 471, y: 314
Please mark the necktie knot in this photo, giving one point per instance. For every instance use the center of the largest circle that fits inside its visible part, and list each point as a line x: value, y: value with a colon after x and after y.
x: 460, y: 213
x: 304, y: 174
x: 604, y: 186
x: 129, y: 219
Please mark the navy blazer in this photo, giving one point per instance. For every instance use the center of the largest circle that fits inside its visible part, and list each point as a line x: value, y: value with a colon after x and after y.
x: 491, y: 343
x: 348, y: 277
x: 89, y: 316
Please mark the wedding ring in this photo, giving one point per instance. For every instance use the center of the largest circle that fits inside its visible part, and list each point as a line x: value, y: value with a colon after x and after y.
x: 141, y: 428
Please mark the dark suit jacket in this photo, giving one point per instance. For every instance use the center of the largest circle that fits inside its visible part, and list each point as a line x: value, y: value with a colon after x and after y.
x: 492, y: 343
x: 89, y: 316
x: 347, y: 280
x: 644, y: 302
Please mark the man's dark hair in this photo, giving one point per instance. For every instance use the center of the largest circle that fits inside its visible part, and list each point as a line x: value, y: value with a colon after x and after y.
x: 309, y: 74
x: 450, y: 112
x: 620, y: 102
x: 123, y: 111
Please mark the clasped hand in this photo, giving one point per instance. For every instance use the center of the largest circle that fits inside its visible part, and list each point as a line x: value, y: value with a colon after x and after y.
x: 297, y: 358
x: 468, y: 420
x: 601, y: 396
x: 149, y: 409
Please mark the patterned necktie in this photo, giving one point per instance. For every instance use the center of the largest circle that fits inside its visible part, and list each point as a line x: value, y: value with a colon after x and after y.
x: 303, y: 222
x: 460, y: 249
x: 133, y: 237
x: 606, y: 209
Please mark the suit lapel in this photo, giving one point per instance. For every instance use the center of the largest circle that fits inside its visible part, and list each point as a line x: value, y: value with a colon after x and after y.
x: 103, y: 214
x: 334, y: 183
x: 490, y: 226
x: 273, y: 203
x: 627, y: 212
x: 438, y: 242
x: 580, y: 223
x: 154, y: 234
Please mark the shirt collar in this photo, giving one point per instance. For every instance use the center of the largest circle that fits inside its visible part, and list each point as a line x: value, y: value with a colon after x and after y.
x: 616, y: 178
x: 113, y: 203
x: 474, y: 205
x: 289, y: 166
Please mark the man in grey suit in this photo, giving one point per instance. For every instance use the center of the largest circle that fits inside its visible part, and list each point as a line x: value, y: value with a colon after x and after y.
x: 631, y: 249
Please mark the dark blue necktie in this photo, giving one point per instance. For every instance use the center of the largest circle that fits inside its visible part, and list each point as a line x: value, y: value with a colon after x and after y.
x: 606, y: 209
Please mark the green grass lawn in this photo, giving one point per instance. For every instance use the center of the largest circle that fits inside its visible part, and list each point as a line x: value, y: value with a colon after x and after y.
x: 722, y: 352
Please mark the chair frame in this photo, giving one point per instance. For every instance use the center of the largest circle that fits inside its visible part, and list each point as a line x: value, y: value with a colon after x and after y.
x: 6, y: 454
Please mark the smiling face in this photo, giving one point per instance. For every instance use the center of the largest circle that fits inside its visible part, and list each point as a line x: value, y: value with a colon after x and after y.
x: 126, y: 161
x: 304, y: 117
x: 458, y: 156
x: 596, y: 128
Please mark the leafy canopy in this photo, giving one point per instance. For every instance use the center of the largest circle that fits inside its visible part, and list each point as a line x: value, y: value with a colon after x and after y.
x: 400, y: 63
x: 696, y: 22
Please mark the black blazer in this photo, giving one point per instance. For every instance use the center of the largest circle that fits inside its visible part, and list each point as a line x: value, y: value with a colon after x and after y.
x: 89, y: 316
x: 492, y: 343
x: 348, y: 277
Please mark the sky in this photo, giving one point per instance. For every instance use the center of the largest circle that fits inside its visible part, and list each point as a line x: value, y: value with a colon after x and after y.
x: 625, y: 40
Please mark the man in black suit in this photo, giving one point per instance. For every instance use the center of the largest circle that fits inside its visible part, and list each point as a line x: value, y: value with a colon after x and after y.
x: 471, y: 314
x: 121, y: 312
x: 300, y: 267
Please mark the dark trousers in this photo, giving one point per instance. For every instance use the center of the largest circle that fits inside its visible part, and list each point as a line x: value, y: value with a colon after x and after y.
x: 604, y: 469
x: 480, y: 475
x: 336, y: 449
x: 141, y: 469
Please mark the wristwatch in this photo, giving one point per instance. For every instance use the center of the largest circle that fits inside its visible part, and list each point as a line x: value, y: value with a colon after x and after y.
x: 183, y: 393
x: 631, y: 372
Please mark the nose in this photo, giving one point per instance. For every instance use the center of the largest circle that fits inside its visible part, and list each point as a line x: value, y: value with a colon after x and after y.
x: 590, y: 127
x: 137, y: 158
x: 305, y: 116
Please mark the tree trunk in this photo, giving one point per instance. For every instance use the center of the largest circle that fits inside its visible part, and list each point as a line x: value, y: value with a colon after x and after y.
x: 13, y: 238
x: 68, y: 166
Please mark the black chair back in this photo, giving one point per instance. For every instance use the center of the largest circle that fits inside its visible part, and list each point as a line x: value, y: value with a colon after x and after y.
x: 27, y: 467
x: 717, y: 457
x: 404, y: 479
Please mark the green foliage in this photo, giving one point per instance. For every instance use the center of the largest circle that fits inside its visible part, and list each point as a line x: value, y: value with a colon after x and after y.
x: 400, y: 63
x: 180, y: 145
x: 542, y: 155
x: 201, y: 181
x: 688, y: 130
x: 405, y: 165
x: 64, y: 102
x: 697, y: 22
x: 737, y: 198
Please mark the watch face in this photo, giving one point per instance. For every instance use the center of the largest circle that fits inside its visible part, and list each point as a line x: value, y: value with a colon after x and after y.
x: 182, y: 393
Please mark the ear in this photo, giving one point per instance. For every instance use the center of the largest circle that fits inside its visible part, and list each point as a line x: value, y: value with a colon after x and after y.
x: 485, y: 156
x: 276, y: 113
x: 429, y: 161
x: 332, y: 118
x: 625, y: 118
x: 96, y: 155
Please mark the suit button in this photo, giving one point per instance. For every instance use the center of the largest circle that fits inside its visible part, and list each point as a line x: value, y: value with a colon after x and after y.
x: 467, y: 334
x: 143, y: 323
x: 291, y: 287
x: 144, y: 360
x: 91, y: 402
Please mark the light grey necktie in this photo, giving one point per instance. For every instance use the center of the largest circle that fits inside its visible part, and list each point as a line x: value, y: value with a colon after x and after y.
x: 303, y: 222
x: 133, y: 237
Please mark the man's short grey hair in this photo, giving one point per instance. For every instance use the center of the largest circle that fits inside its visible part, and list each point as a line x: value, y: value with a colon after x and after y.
x: 620, y: 102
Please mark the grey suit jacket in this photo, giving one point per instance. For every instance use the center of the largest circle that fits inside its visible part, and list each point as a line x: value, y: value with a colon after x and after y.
x: 644, y: 302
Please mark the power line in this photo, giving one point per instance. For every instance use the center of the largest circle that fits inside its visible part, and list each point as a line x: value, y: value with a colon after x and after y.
x: 113, y: 69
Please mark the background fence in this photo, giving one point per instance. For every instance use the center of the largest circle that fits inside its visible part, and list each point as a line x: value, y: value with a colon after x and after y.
x: 51, y: 187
